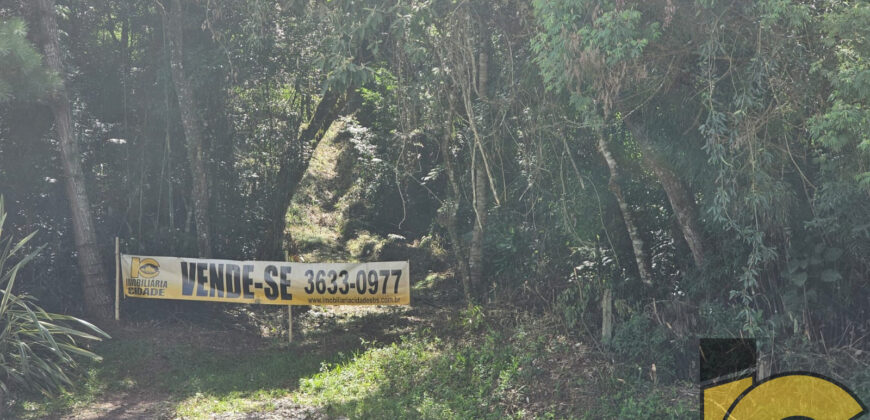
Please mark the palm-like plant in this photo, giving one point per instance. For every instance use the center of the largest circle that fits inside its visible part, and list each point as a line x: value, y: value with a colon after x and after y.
x: 37, y: 348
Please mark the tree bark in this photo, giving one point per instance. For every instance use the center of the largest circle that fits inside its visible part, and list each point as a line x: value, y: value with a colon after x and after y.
x: 642, y: 260
x: 682, y: 202
x: 294, y: 164
x: 607, y: 315
x: 450, y: 207
x: 192, y: 130
x: 479, y: 196
x: 95, y: 282
x: 449, y: 210
x: 475, y: 249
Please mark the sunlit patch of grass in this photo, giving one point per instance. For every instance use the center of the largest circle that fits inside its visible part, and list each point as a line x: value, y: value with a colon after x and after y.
x: 200, y: 406
x: 481, y: 370
x: 306, y: 217
x: 378, y: 382
x: 482, y: 374
x: 365, y: 244
x: 429, y: 282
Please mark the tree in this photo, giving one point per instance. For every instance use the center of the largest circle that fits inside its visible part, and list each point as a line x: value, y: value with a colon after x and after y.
x: 95, y: 282
x: 593, y: 53
x: 465, y: 53
x: 681, y: 200
x: 22, y: 75
x: 294, y: 162
x: 349, y: 48
x: 173, y: 20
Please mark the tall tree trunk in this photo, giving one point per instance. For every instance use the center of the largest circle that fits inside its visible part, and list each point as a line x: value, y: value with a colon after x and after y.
x: 640, y: 257
x: 475, y: 249
x: 294, y: 163
x: 479, y: 195
x: 450, y: 207
x: 173, y: 18
x: 682, y: 202
x: 95, y: 282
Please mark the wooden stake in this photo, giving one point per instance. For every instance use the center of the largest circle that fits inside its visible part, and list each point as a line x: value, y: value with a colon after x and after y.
x: 289, y: 309
x: 606, y: 316
x: 117, y: 279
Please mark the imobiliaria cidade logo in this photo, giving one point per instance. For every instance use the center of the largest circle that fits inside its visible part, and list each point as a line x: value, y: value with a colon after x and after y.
x: 730, y: 390
x: 143, y: 279
x: 145, y: 268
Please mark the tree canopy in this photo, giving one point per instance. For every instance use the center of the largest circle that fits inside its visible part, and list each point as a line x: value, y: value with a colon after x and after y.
x: 598, y: 160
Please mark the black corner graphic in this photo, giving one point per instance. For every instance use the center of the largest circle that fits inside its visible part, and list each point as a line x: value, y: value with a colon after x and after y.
x: 726, y: 356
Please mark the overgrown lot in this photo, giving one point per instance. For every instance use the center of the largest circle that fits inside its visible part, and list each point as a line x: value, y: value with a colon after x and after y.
x: 419, y: 362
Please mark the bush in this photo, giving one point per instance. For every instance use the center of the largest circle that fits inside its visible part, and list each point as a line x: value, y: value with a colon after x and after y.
x: 640, y: 343
x: 37, y: 348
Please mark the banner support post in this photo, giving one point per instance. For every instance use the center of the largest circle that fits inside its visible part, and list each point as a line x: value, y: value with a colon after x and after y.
x: 289, y: 309
x: 117, y: 280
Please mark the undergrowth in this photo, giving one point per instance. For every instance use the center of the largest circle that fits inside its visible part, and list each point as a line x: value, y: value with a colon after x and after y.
x: 482, y: 363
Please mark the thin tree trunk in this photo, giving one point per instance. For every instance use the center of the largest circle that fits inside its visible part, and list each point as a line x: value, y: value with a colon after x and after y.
x: 682, y: 202
x: 451, y: 207
x: 95, y: 282
x: 294, y: 164
x: 479, y: 196
x: 192, y: 131
x: 637, y: 245
x: 475, y: 249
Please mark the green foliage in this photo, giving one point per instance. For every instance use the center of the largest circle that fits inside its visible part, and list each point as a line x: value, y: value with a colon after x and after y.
x: 775, y: 181
x: 356, y: 38
x: 487, y: 373
x: 634, y: 401
x: 838, y: 128
x: 38, y: 349
x: 512, y: 254
x: 641, y: 344
x: 22, y: 75
x: 759, y: 108
x: 578, y: 303
x: 584, y: 45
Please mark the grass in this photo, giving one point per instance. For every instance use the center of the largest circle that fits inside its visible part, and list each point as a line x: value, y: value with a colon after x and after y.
x: 315, y: 215
x: 366, y: 385
x: 485, y: 370
x: 197, y: 371
x: 368, y: 363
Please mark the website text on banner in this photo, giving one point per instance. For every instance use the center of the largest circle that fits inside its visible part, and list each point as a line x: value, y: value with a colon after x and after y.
x: 266, y: 282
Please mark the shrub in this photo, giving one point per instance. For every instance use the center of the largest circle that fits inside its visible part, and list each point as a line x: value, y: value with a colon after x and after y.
x: 639, y: 343
x: 37, y: 348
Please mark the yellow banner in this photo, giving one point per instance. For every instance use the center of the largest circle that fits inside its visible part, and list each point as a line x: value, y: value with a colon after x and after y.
x: 266, y: 282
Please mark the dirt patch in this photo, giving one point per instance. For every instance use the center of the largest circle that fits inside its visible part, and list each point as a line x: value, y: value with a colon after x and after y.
x: 132, y: 407
x: 124, y: 406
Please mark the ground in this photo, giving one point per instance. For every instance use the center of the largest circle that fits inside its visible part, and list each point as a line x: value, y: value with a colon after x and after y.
x: 179, y: 369
x: 434, y: 360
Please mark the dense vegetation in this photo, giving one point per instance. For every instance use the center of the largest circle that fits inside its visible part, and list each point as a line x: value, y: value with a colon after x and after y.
x: 636, y: 173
